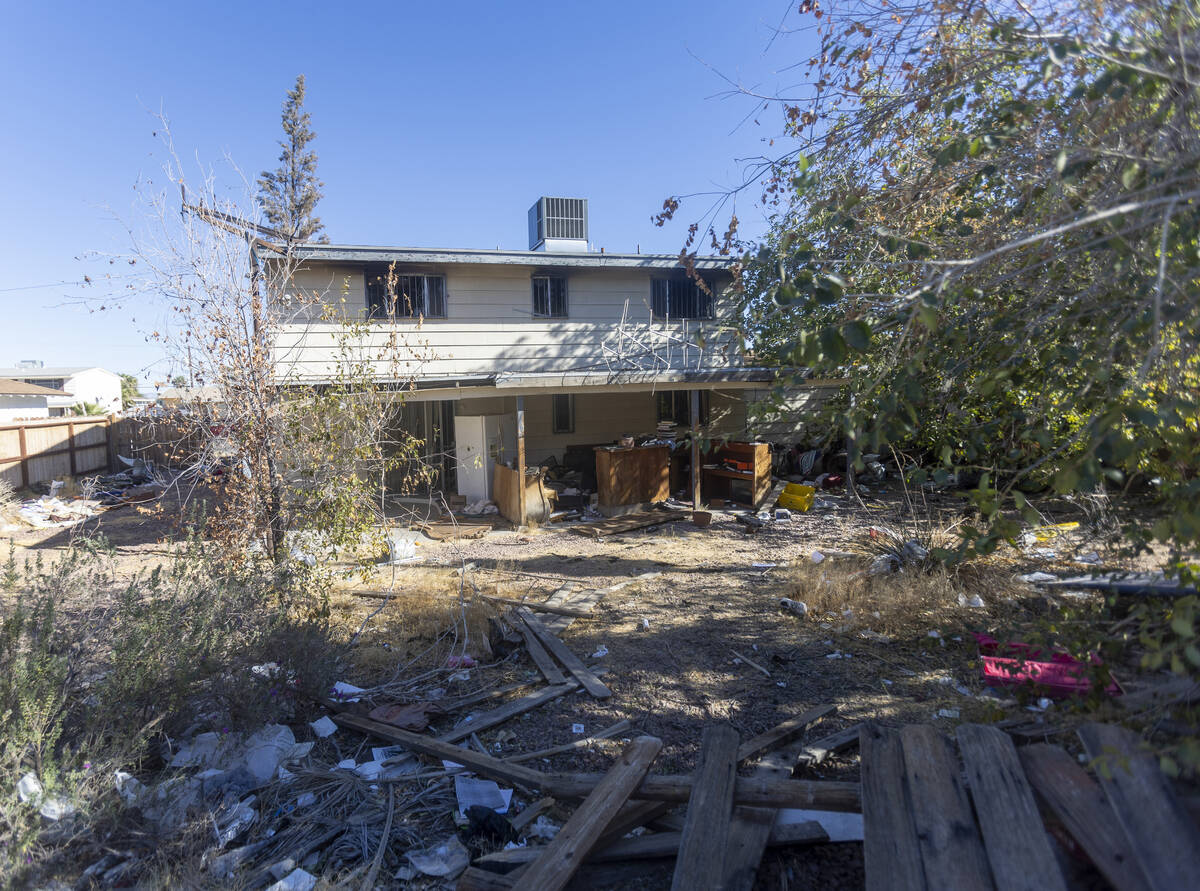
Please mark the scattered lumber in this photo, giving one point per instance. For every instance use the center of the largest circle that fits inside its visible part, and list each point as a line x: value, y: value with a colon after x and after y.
x: 817, y: 795
x: 1165, y: 841
x: 508, y: 710
x: 473, y: 699
x: 783, y: 733
x: 1076, y: 800
x: 566, y: 852
x: 1014, y: 839
x: 628, y: 523
x: 607, y: 732
x: 540, y: 607
x: 891, y: 854
x: 817, y: 751
x: 653, y: 846
x: 545, y: 663
x: 570, y: 661
x: 709, y: 812
x: 951, y: 848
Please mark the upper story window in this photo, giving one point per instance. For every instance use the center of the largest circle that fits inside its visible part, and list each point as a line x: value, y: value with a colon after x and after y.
x: 410, y: 297
x: 549, y: 297
x: 680, y: 298
x: 54, y: 383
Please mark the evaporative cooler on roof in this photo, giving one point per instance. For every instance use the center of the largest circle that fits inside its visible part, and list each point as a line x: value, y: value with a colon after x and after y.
x: 558, y: 224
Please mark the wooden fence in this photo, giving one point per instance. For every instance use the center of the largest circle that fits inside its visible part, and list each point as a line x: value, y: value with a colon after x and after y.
x: 37, y: 451
x: 161, y: 441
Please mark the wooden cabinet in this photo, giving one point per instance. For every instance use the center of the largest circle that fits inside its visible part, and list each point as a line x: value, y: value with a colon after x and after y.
x: 749, y: 482
x: 632, y: 476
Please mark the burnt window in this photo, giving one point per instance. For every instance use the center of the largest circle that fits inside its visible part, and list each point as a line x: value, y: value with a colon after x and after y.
x: 409, y: 297
x: 681, y: 298
x: 549, y: 297
x: 563, y: 413
x: 675, y: 407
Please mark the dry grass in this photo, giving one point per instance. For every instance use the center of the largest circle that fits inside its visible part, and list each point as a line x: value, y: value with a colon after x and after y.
x: 420, y: 627
x: 846, y: 594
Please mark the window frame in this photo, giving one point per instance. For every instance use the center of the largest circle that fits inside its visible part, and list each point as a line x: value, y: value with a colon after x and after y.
x: 663, y: 306
x: 549, y: 278
x: 554, y: 425
x: 680, y: 411
x: 379, y: 300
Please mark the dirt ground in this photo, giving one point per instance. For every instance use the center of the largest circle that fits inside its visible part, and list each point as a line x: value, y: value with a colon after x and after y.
x: 702, y: 640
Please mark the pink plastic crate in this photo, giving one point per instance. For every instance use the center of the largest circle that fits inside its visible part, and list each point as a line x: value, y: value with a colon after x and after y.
x: 1015, y: 663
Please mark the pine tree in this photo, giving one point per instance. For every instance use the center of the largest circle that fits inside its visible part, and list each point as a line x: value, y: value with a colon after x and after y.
x: 290, y: 194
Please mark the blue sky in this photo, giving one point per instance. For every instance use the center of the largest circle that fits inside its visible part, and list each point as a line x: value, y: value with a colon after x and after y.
x: 436, y: 126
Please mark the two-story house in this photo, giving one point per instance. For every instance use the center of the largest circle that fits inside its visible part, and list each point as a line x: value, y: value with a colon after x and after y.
x: 520, y: 356
x: 79, y: 385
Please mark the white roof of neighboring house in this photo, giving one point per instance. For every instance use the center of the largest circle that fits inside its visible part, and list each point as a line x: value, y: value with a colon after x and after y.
x: 50, y: 371
x: 191, y: 394
x: 9, y: 387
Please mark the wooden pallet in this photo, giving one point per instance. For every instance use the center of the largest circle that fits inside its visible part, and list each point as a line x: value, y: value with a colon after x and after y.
x: 629, y: 523
x: 924, y: 827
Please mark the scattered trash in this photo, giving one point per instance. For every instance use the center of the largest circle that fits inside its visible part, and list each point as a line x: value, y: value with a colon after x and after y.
x: 874, y: 635
x: 797, y: 497
x: 402, y: 547
x: 543, y: 828
x: 817, y: 557
x: 1038, y: 578
x: 412, y: 716
x: 52, y: 807
x: 1091, y: 558
x: 343, y: 692
x: 480, y: 508
x: 782, y: 515
x: 463, y: 661
x: 601, y: 652
x: 445, y: 860
x: 645, y: 624
x: 947, y: 713
x: 323, y: 727
x: 798, y: 607
x: 472, y: 792
x: 577, y: 729
x: 974, y: 601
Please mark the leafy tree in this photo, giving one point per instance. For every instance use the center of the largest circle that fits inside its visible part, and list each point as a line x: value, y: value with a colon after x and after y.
x: 179, y: 381
x: 987, y: 221
x: 289, y: 195
x: 129, y: 390
x: 87, y: 408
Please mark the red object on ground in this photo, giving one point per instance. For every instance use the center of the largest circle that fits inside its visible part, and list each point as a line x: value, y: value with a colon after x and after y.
x: 1014, y: 663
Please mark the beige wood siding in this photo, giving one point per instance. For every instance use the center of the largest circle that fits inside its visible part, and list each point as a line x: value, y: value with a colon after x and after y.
x: 489, y: 327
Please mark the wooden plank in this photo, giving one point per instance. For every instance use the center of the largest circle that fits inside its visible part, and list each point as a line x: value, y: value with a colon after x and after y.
x: 564, y: 855
x: 473, y: 699
x: 709, y: 812
x: 951, y: 849
x: 546, y: 665
x: 487, y: 720
x: 619, y: 727
x: 814, y: 795
x: 783, y: 733
x: 569, y: 660
x: 1014, y: 839
x: 24, y: 458
x: 751, y: 826
x: 540, y: 607
x: 1079, y: 804
x: 1165, y: 841
x: 628, y: 523
x: 71, y: 446
x: 817, y: 751
x: 891, y: 852
x: 522, y: 495
x: 654, y: 845
x: 695, y: 470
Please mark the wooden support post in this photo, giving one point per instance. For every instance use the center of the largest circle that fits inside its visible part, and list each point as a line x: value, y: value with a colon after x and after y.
x: 71, y: 445
x: 521, y: 510
x: 695, y: 411
x: 24, y: 458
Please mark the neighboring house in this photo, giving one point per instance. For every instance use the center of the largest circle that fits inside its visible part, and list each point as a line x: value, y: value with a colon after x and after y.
x: 79, y: 385
x: 569, y: 346
x: 21, y: 401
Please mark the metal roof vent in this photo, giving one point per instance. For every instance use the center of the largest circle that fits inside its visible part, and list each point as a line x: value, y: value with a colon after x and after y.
x: 558, y: 224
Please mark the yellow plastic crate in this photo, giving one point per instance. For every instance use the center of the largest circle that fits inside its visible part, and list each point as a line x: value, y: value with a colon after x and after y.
x: 797, y: 497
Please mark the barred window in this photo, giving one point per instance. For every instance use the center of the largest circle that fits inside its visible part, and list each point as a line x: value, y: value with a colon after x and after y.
x: 413, y: 296
x: 549, y: 297
x: 680, y: 298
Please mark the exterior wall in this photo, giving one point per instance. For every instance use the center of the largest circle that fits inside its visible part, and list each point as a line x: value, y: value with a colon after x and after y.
x: 21, y: 408
x: 489, y: 327
x: 93, y: 385
x: 790, y: 419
